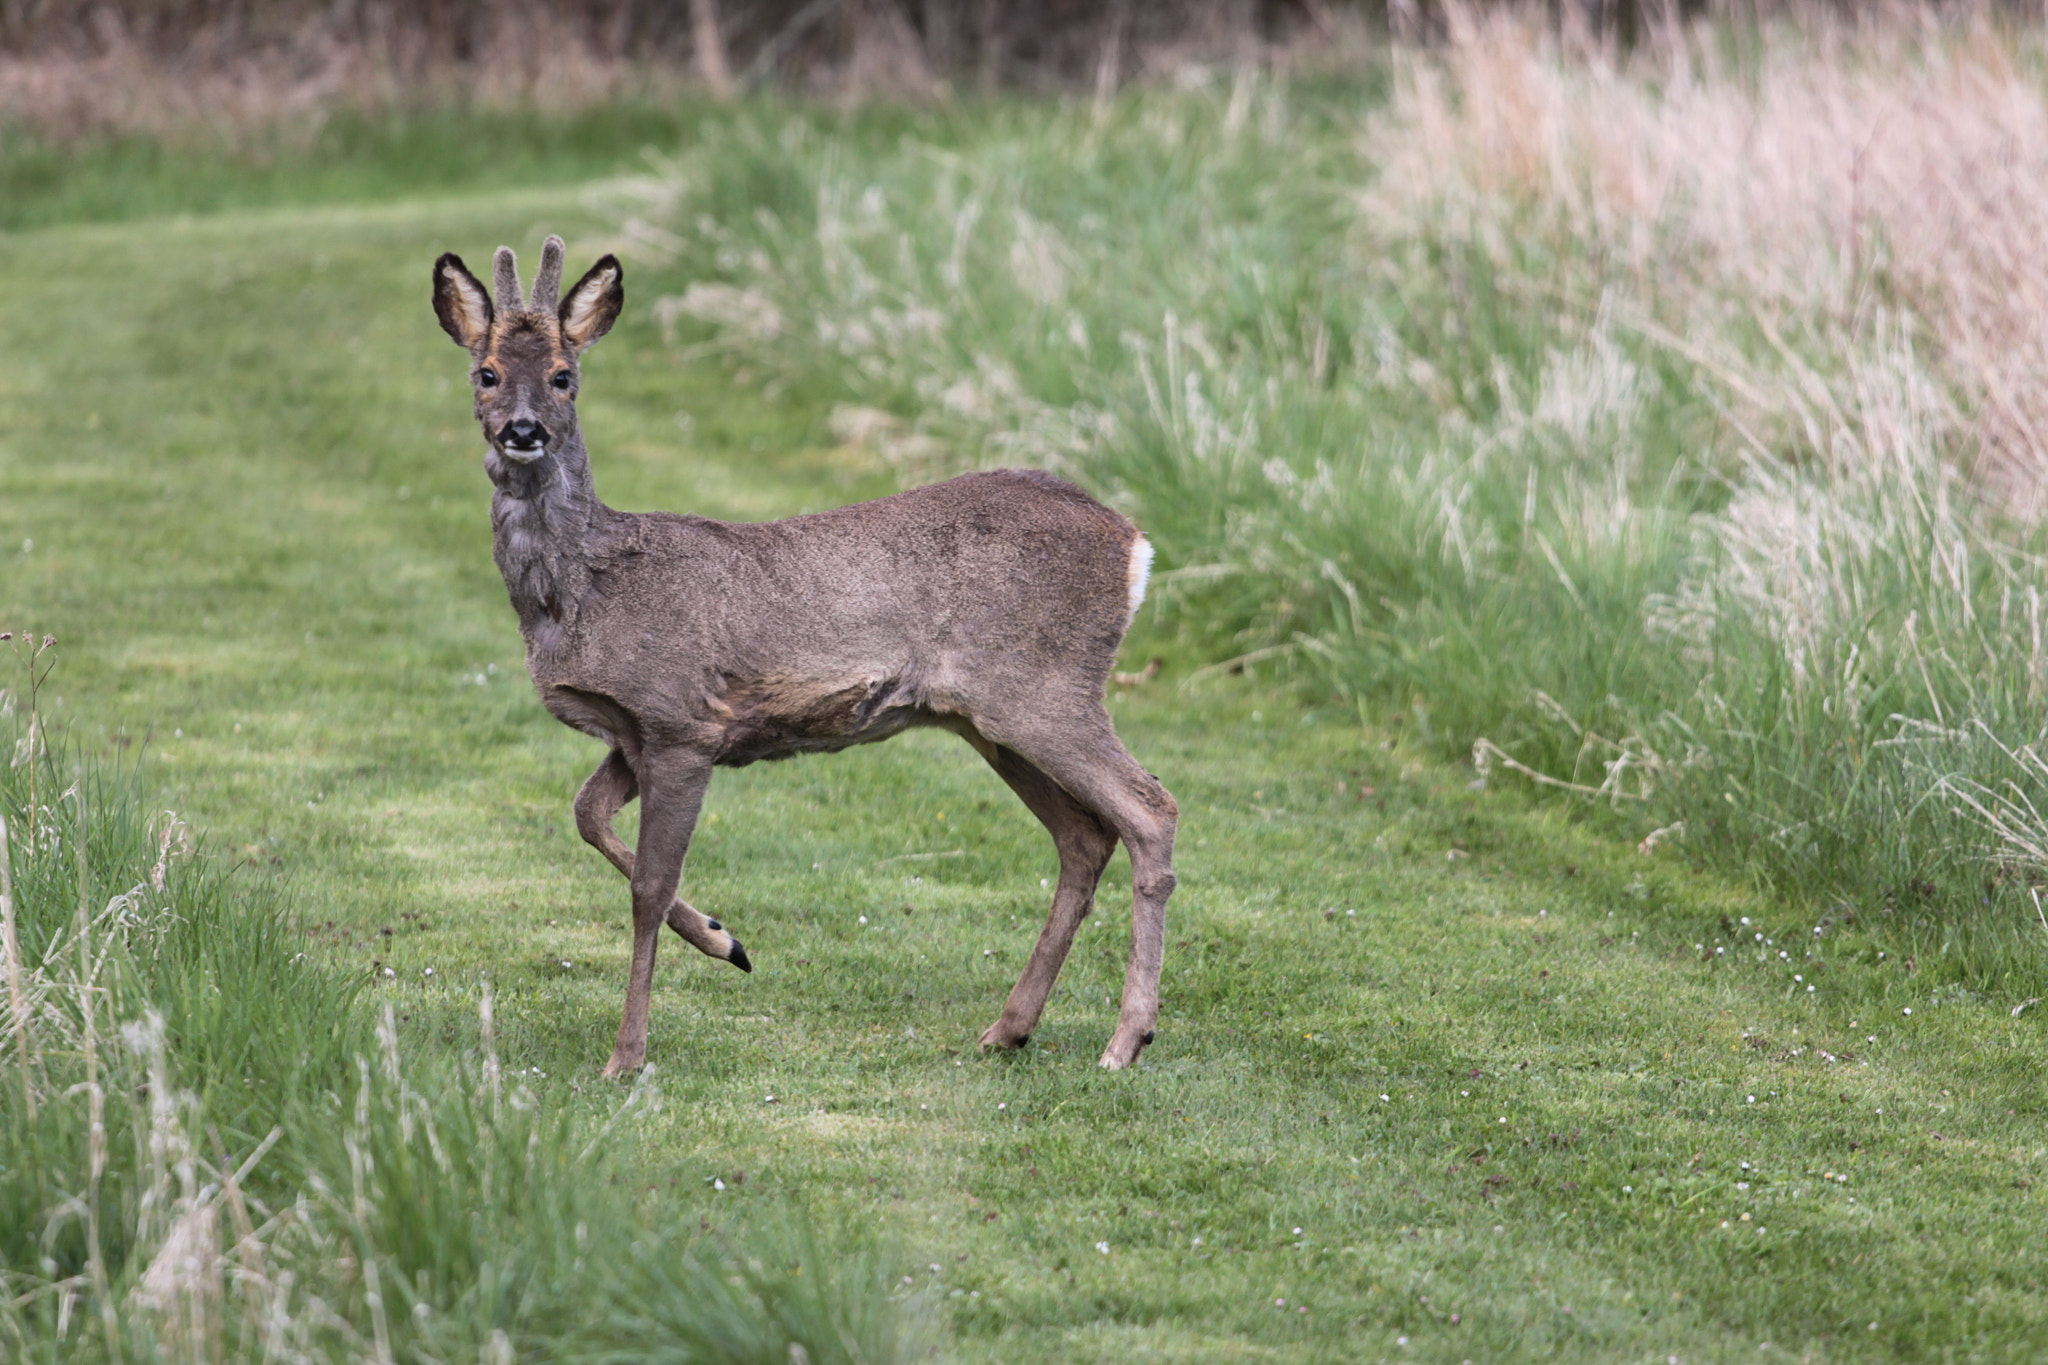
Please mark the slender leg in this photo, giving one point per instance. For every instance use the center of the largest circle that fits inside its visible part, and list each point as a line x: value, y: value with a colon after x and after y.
x: 602, y: 797
x: 1082, y: 754
x: 1084, y: 845
x: 672, y: 792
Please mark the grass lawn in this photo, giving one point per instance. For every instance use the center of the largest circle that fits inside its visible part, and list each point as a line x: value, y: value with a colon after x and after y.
x: 1443, y: 1073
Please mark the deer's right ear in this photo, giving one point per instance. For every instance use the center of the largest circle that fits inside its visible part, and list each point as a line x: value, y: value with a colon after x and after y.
x: 460, y: 302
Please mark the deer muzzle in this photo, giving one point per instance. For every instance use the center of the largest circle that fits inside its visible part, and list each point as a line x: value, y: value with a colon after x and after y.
x: 524, y: 440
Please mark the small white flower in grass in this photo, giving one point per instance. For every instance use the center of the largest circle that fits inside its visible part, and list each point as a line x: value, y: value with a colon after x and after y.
x: 1102, y: 1247
x: 1503, y: 1118
x: 390, y: 971
x: 1400, y: 1341
x: 1297, y: 1232
x: 1001, y: 1107
x: 1907, y: 1011
x: 921, y: 1106
x: 1044, y: 882
x: 769, y: 1100
x: 1383, y: 1097
x: 1745, y: 919
x: 1197, y: 1242
x: 1742, y: 1184
x: 430, y: 972
x: 1279, y: 1303
x: 1628, y: 1189
x: 934, y: 1270
x: 1752, y: 1099
x: 1465, y: 1094
x: 863, y: 919
x: 1797, y: 977
x: 1809, y: 989
x: 717, y: 1184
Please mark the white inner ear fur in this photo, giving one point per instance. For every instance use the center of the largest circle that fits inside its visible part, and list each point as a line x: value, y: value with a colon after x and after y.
x: 581, y: 314
x: 1139, y: 572
x: 473, y: 306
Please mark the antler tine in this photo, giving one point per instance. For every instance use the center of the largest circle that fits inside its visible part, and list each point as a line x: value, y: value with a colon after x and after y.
x: 548, y: 282
x: 505, y: 273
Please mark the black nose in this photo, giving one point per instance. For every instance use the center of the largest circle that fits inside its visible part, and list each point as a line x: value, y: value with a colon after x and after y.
x: 524, y: 434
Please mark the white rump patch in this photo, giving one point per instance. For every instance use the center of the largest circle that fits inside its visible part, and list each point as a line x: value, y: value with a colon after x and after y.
x: 1139, y: 572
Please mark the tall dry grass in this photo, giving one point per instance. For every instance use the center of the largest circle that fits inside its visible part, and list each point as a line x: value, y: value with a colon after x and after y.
x: 1793, y: 188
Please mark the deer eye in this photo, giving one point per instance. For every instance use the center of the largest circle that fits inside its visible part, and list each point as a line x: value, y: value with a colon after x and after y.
x: 487, y: 377
x: 561, y: 380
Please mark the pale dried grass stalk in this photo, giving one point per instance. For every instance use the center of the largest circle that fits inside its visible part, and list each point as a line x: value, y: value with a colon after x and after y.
x: 1903, y: 159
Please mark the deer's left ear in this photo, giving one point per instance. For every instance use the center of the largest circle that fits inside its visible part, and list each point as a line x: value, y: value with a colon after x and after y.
x: 593, y: 305
x: 461, y: 303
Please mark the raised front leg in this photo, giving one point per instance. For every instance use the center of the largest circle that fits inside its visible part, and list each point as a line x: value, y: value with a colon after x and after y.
x: 602, y: 797
x: 671, y: 793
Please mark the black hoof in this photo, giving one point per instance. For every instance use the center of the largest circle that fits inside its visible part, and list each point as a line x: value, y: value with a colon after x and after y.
x: 738, y: 957
x: 715, y: 924
x: 1147, y: 1039
x: 1022, y: 1043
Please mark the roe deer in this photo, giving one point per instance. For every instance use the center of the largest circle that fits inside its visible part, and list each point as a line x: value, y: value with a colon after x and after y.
x: 991, y: 605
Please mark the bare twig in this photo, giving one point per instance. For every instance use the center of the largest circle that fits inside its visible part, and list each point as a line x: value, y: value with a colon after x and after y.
x: 1485, y: 753
x: 922, y: 857
x: 1238, y: 664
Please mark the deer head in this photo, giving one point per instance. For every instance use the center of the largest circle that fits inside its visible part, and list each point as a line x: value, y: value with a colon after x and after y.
x: 523, y: 356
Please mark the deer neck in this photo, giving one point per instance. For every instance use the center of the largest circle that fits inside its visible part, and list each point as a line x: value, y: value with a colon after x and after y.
x: 542, y: 516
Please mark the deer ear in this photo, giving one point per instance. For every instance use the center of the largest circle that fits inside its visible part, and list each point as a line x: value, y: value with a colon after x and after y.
x: 460, y: 302
x: 593, y: 305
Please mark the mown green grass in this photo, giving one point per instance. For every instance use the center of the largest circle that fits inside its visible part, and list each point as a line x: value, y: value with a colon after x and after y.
x: 1478, y: 1050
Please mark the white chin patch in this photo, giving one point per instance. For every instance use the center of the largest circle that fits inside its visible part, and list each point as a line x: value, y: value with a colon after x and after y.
x: 1139, y: 571
x: 522, y: 456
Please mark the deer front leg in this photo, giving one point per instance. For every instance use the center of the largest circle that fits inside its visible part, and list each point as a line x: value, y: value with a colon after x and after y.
x: 602, y: 797
x: 672, y: 792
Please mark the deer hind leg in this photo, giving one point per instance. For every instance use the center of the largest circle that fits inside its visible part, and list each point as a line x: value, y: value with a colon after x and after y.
x: 602, y: 798
x: 673, y: 787
x: 1083, y: 755
x: 1084, y: 845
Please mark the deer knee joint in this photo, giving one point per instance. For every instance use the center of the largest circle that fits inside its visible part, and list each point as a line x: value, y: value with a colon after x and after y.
x: 1156, y: 886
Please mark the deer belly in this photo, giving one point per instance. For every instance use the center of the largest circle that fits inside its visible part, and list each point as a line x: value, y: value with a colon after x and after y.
x: 776, y: 718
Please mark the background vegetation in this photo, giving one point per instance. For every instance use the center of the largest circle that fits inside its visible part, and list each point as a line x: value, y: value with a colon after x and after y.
x: 1520, y: 413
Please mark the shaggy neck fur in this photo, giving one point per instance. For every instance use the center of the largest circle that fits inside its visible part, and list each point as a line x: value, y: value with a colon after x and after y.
x: 542, y: 515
